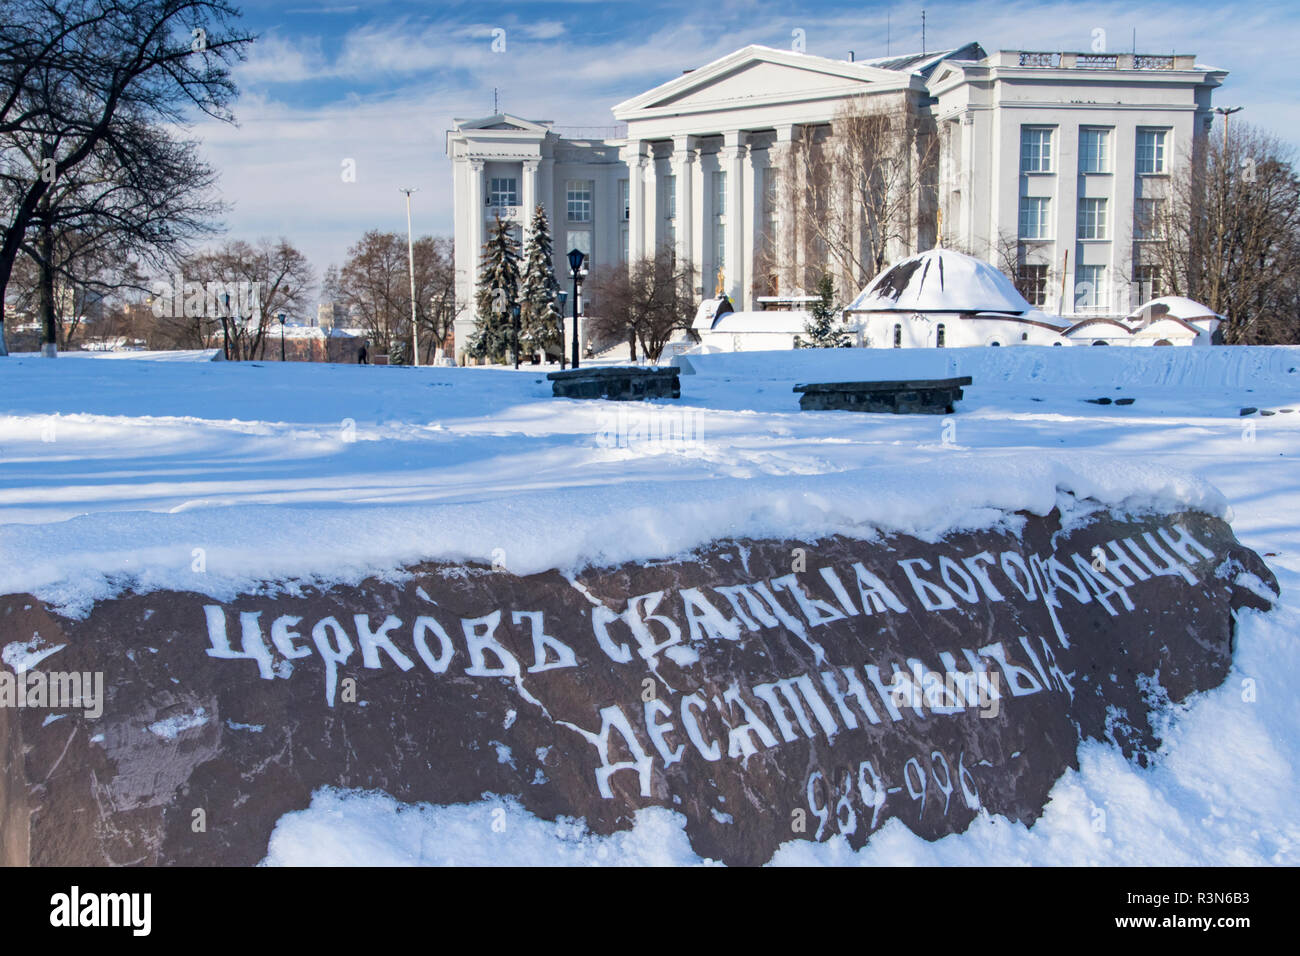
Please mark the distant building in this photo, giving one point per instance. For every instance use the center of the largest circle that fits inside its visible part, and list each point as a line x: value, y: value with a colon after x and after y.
x: 330, y: 315
x: 1061, y: 158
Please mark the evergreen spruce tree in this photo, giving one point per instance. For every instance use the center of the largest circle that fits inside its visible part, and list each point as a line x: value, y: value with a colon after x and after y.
x: 498, y: 291
x: 821, y: 327
x: 539, y: 292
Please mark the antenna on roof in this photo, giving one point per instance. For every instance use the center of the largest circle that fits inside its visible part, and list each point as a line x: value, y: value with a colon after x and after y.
x: 886, y: 34
x: 923, y: 32
x: 495, y: 111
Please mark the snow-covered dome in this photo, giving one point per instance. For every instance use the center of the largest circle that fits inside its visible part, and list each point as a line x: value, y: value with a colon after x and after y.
x: 1174, y: 307
x: 941, y: 280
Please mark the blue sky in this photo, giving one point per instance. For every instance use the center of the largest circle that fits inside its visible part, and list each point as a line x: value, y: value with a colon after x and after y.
x: 379, y: 81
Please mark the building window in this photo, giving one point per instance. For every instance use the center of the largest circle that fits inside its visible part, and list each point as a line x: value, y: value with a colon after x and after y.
x: 1090, y: 289
x: 719, y: 194
x: 578, y: 200
x: 1094, y: 151
x: 1148, y: 219
x: 1035, y: 149
x: 1151, y: 152
x: 1092, y: 218
x: 579, y: 239
x: 670, y: 197
x: 938, y: 336
x: 1148, y: 282
x: 626, y: 247
x: 720, y: 245
x: 898, y: 336
x: 625, y: 199
x: 503, y: 191
x: 1032, y: 284
x: 1034, y: 217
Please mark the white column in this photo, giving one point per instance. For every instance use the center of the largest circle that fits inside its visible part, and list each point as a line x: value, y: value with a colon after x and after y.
x: 733, y: 161
x: 634, y: 157
x: 653, y: 212
x: 467, y: 260
x: 476, y: 194
x: 754, y: 246
x: 787, y: 217
x: 529, y: 197
x: 683, y: 164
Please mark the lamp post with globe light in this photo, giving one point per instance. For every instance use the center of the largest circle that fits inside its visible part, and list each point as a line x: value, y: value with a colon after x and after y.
x: 576, y: 259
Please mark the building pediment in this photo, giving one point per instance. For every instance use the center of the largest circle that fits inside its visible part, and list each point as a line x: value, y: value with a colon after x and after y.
x: 759, y: 75
x: 502, y: 122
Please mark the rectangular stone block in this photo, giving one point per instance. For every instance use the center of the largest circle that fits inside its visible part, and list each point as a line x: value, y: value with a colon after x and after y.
x: 620, y: 384
x: 919, y: 397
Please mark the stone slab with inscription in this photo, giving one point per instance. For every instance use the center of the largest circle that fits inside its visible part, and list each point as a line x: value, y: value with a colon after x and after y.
x: 765, y: 690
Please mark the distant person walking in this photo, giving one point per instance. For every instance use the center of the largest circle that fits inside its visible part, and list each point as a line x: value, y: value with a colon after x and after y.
x: 363, y: 357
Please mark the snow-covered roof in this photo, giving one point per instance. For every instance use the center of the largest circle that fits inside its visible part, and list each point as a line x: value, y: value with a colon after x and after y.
x: 924, y: 63
x: 706, y: 315
x: 1174, y: 306
x: 785, y: 322
x: 940, y: 280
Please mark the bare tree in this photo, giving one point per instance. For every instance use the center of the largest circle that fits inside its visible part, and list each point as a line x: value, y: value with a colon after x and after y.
x: 74, y: 73
x: 645, y: 302
x: 854, y: 194
x: 278, y: 276
x: 1229, y: 236
x: 374, y: 283
x: 87, y: 274
x: 140, y: 198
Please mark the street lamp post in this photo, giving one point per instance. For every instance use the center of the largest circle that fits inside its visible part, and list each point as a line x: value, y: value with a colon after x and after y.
x: 410, y: 258
x: 281, y: 318
x: 576, y: 258
x: 225, y: 326
x: 1225, y: 112
x: 563, y: 297
x: 514, y: 323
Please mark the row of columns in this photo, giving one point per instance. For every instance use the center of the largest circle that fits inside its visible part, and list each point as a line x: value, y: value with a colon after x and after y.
x: 746, y: 160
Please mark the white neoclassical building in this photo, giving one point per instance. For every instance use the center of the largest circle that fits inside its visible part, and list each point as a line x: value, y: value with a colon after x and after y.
x: 1059, y: 160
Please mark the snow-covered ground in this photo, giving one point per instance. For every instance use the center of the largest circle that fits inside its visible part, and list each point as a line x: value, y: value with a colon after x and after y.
x: 133, y: 470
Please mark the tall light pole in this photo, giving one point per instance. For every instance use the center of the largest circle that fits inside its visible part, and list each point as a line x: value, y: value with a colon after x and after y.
x: 1225, y: 112
x: 561, y: 297
x: 410, y: 258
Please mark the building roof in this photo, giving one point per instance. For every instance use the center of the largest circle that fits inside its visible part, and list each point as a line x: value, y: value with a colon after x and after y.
x: 940, y: 280
x: 1175, y: 307
x: 924, y: 63
x: 846, y: 77
x: 790, y: 322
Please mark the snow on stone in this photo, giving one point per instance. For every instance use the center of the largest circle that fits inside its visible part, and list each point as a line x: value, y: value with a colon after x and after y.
x: 169, y: 728
x: 22, y: 656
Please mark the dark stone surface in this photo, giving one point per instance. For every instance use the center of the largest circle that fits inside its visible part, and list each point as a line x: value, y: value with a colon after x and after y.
x: 244, y: 725
x: 617, y: 383
x: 917, y: 397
